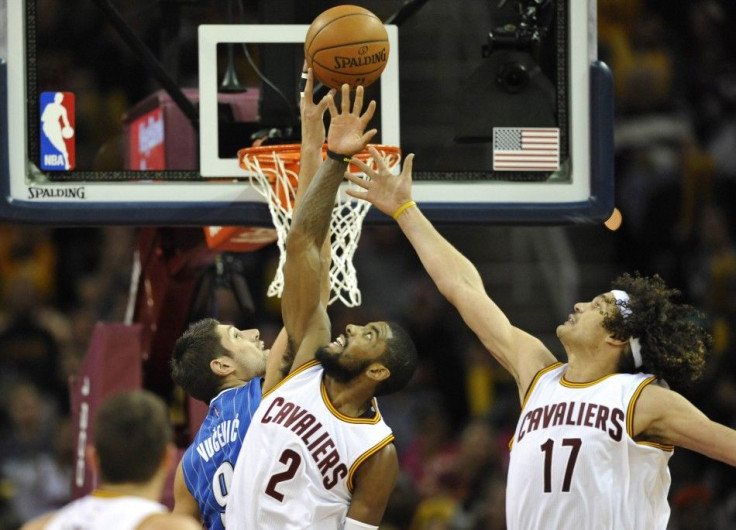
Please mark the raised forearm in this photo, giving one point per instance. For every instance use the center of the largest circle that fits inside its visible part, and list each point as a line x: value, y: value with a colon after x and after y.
x: 312, y: 219
x: 444, y: 263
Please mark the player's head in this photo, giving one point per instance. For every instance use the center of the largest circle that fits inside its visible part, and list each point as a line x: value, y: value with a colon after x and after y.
x: 58, y: 97
x: 657, y: 334
x: 132, y: 438
x: 210, y: 356
x: 382, y: 351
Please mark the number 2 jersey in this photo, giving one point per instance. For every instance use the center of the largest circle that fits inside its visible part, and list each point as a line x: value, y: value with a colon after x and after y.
x: 300, y: 456
x: 574, y: 464
x: 208, y: 462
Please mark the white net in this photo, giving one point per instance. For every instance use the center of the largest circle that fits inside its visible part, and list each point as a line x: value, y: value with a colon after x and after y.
x: 273, y: 179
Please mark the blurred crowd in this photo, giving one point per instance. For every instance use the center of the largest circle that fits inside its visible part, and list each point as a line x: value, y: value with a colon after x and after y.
x: 675, y: 87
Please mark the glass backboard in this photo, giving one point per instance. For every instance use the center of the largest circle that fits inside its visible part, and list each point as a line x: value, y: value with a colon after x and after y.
x: 131, y: 112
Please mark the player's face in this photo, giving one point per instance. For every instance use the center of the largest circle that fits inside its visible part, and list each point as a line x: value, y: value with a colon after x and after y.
x: 350, y: 354
x: 248, y: 351
x: 585, y: 324
x: 361, y: 342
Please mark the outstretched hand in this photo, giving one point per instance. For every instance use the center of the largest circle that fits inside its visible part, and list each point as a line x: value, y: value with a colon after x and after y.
x: 313, y: 128
x: 384, y: 190
x: 346, y: 134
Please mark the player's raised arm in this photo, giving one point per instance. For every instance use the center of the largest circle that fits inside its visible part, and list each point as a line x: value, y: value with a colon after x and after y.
x: 455, y: 276
x: 281, y: 357
x: 305, y: 318
x: 310, y: 158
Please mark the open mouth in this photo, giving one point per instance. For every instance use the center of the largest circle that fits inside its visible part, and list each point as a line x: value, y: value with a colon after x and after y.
x: 340, y: 342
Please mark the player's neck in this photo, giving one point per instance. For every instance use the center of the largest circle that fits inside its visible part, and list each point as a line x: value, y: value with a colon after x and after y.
x: 590, y: 362
x: 230, y: 382
x: 351, y: 399
x: 148, y: 490
x: 586, y: 371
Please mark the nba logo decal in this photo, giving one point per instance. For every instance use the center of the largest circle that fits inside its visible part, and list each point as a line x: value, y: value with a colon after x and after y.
x: 57, y: 131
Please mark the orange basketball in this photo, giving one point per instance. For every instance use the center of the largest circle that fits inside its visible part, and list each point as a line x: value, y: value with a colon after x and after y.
x: 346, y: 44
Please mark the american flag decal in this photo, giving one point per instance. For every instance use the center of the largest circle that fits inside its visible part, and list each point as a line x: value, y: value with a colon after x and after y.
x: 526, y: 149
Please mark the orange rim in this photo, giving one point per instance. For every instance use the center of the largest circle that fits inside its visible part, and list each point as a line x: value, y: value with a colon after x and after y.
x: 268, y: 157
x: 289, y: 154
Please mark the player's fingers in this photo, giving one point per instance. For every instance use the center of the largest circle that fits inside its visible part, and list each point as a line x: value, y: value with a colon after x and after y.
x: 408, y: 164
x: 358, y: 194
x: 303, y: 81
x: 345, y: 98
x: 364, y: 183
x: 309, y: 84
x: 368, y: 114
x: 365, y: 168
x: 377, y: 158
x: 368, y: 135
x: 358, y: 103
x: 324, y: 103
x: 331, y: 104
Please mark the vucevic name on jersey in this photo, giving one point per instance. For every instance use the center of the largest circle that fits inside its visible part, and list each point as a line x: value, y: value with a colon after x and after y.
x: 224, y: 433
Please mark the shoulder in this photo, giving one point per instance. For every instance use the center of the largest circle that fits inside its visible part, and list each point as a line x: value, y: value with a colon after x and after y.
x: 376, y: 477
x: 550, y: 373
x: 654, y: 405
x: 311, y: 366
x: 39, y: 522
x: 237, y: 397
x: 383, y: 460
x: 169, y: 521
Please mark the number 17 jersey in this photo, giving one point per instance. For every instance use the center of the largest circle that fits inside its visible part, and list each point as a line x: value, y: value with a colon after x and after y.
x: 574, y: 464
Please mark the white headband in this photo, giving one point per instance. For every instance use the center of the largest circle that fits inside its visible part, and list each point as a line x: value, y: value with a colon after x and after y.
x: 622, y: 297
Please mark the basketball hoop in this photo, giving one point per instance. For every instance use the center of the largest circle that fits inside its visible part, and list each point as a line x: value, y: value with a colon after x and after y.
x: 273, y: 171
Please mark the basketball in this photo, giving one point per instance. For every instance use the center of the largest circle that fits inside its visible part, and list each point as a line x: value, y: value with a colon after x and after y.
x: 346, y: 44
x: 67, y: 132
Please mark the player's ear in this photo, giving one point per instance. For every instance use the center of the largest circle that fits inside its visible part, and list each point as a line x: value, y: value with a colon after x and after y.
x: 222, y: 366
x: 378, y: 372
x: 616, y: 342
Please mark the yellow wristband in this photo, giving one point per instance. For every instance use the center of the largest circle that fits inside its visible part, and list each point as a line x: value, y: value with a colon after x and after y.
x: 403, y: 208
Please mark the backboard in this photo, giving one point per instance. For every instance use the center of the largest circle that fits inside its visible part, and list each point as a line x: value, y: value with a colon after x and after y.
x: 158, y: 97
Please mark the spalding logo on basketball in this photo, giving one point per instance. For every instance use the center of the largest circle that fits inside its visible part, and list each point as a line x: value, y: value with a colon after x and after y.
x: 346, y: 44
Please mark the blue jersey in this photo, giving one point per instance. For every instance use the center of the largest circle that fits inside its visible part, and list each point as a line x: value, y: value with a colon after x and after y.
x: 208, y: 463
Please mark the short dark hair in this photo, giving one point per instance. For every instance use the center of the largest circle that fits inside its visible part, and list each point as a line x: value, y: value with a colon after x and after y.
x: 132, y: 431
x: 673, y: 342
x: 400, y: 358
x: 190, y: 362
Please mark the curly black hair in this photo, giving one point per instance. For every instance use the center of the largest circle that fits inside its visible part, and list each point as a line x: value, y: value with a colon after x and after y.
x: 673, y: 344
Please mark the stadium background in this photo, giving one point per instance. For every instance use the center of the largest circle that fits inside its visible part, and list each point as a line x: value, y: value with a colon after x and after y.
x: 675, y: 81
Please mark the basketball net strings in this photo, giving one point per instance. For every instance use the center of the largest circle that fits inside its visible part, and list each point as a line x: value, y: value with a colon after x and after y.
x: 345, y: 225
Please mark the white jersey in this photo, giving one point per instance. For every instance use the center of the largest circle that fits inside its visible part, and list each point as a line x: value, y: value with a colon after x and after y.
x: 299, y: 458
x: 574, y: 464
x: 100, y: 512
